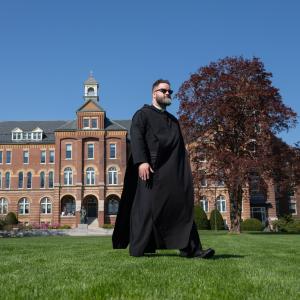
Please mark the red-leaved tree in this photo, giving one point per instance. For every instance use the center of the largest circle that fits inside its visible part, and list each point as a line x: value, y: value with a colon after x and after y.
x: 229, y: 112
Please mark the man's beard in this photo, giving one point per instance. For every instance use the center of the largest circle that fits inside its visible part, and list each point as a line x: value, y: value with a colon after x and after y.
x: 164, y: 101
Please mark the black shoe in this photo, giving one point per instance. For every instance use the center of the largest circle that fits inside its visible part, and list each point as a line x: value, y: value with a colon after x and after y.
x: 208, y: 253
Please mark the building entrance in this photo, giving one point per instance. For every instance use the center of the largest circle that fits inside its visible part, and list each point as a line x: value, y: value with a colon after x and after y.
x: 259, y: 213
x: 90, y: 203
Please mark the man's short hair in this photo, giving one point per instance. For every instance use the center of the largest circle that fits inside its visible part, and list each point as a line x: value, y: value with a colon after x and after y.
x: 159, y: 81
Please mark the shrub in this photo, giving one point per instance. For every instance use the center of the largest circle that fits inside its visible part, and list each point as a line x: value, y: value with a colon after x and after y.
x: 200, y: 218
x: 11, y: 218
x: 64, y: 227
x: 2, y: 224
x: 108, y: 226
x: 216, y: 220
x: 287, y: 224
x: 251, y: 224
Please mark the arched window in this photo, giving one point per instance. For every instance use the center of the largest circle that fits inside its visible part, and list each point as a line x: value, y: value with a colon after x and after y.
x: 7, y: 180
x: 112, y: 175
x: 221, y: 203
x: 20, y: 180
x: 51, y: 179
x: 112, y: 206
x: 204, y: 203
x: 68, y: 206
x: 203, y: 181
x: 3, y: 206
x: 23, y: 206
x: 91, y: 91
x: 29, y: 180
x: 46, y: 206
x: 68, y: 176
x: 90, y: 176
x: 42, y: 180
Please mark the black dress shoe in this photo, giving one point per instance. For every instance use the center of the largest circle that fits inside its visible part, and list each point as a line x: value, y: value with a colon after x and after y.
x: 208, y: 253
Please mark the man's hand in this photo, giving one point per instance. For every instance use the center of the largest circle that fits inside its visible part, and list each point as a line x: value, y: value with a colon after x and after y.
x: 144, y: 171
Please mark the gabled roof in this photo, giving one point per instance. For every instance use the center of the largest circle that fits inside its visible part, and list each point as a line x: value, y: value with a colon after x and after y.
x: 91, y: 106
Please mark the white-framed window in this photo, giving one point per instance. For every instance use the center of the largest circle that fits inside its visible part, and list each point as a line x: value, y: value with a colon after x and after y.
x: 0, y: 180
x: 3, y: 206
x: 90, y: 152
x: 51, y: 180
x: 23, y: 206
x: 42, y: 180
x: 112, y: 150
x: 112, y: 176
x: 86, y: 122
x: 1, y: 157
x: 7, y: 180
x: 20, y: 180
x: 25, y: 157
x: 68, y: 151
x: 90, y: 176
x: 51, y: 156
x: 8, y: 156
x: 221, y: 203
x: 29, y: 180
x: 43, y: 156
x: 68, y: 176
x: 293, y: 206
x: 94, y: 123
x: 203, y: 181
x: 204, y: 203
x: 46, y: 206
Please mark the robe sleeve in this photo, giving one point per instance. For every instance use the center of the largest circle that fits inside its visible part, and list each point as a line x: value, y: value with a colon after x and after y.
x: 139, y: 148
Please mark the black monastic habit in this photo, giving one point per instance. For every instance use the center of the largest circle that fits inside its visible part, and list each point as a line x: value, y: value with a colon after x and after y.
x: 157, y: 213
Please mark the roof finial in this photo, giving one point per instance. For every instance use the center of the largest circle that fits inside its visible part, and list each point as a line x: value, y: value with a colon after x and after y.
x: 91, y: 73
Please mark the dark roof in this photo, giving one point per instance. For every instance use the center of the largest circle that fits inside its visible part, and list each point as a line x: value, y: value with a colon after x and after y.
x: 49, y: 127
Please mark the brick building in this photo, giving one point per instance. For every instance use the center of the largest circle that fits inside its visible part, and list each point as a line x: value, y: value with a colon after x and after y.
x: 49, y: 170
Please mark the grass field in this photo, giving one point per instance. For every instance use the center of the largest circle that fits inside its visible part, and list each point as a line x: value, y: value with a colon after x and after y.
x: 248, y: 266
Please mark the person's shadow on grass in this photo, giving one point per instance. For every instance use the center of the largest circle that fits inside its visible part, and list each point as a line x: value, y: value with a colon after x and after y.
x: 215, y: 257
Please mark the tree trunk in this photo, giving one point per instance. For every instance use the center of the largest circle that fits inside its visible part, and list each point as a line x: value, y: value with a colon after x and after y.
x: 236, y: 196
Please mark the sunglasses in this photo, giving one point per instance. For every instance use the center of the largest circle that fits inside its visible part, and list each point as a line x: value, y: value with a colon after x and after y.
x: 164, y: 91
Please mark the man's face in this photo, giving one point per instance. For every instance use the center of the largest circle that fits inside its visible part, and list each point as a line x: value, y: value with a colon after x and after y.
x: 162, y: 95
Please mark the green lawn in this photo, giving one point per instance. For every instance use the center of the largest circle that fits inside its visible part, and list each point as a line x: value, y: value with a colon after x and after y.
x: 248, y: 266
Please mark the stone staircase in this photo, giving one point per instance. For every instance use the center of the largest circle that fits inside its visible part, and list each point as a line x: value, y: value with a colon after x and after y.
x: 93, y: 223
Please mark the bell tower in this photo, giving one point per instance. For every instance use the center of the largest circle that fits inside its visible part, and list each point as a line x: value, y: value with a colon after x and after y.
x: 91, y: 89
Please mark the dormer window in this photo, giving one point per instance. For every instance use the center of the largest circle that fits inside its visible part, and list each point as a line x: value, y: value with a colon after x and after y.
x: 17, y: 134
x: 37, y: 134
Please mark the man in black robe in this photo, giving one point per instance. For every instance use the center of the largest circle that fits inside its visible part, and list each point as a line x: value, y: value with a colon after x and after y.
x: 156, y: 207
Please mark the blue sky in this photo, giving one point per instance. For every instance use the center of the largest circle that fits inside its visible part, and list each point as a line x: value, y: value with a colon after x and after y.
x: 47, y: 49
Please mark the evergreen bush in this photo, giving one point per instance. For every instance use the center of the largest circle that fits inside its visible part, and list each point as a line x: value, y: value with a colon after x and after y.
x: 11, y: 218
x: 200, y: 217
x: 2, y: 224
x: 216, y: 220
x: 287, y: 224
x: 251, y: 224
